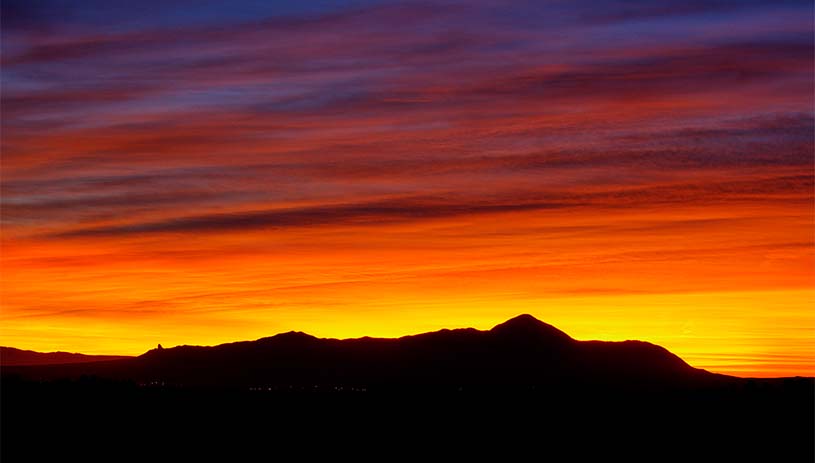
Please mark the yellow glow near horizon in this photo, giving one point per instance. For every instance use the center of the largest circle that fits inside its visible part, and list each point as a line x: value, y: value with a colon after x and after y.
x: 755, y: 334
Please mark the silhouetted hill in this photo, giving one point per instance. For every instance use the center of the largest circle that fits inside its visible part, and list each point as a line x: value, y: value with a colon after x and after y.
x: 10, y: 356
x: 521, y: 352
x: 526, y: 326
x: 521, y: 389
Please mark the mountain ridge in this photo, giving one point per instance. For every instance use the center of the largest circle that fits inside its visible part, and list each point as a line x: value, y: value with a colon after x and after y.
x: 524, y: 323
x: 12, y: 356
x: 520, y: 352
x: 522, y: 378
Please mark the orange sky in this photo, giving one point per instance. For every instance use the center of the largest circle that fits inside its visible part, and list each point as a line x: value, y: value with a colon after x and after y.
x: 381, y: 172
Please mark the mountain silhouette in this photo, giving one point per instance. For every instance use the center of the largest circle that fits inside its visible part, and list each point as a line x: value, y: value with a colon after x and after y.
x: 527, y: 325
x: 523, y: 387
x: 521, y: 352
x: 10, y: 356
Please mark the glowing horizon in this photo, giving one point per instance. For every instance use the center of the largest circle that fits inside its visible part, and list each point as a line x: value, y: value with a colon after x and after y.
x: 384, y: 169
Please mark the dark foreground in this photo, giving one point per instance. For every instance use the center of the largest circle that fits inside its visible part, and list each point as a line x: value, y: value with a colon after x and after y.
x: 92, y: 419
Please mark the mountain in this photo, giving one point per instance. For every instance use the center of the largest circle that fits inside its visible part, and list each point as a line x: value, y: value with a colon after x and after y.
x: 10, y: 356
x: 523, y: 352
x: 523, y: 388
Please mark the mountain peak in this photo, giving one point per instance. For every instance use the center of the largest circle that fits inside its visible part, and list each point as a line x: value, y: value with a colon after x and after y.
x: 526, y: 325
x: 291, y: 336
x: 523, y: 318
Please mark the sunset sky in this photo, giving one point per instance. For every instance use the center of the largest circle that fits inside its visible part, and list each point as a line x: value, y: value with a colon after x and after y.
x: 200, y: 172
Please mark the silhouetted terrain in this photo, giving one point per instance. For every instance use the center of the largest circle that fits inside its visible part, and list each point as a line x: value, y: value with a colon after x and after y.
x: 10, y: 356
x: 520, y: 353
x: 522, y: 386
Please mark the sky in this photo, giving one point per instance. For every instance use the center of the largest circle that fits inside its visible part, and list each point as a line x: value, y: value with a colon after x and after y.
x: 200, y: 172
